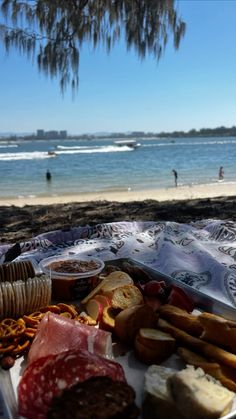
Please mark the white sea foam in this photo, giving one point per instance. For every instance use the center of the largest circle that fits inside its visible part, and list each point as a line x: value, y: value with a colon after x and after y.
x: 4, y: 145
x: 24, y: 156
x: 101, y: 149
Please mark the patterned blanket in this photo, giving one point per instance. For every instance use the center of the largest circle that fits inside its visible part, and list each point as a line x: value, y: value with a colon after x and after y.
x: 201, y: 254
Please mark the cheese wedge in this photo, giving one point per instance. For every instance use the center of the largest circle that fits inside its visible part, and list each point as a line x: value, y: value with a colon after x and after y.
x: 198, y: 395
x: 157, y: 402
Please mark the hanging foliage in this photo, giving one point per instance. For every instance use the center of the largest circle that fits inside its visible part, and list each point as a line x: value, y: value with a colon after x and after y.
x: 53, y: 32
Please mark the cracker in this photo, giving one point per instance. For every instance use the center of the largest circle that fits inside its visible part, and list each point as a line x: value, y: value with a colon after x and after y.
x: 20, y: 298
x: 6, y: 299
x: 1, y: 273
x: 33, y: 294
x: 1, y: 302
x: 23, y: 296
x: 16, y: 297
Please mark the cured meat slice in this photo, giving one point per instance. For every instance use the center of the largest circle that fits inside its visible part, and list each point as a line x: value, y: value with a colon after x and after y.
x: 47, y: 377
x: 57, y: 334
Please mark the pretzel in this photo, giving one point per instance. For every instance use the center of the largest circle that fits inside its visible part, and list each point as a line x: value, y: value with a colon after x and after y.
x: 52, y: 308
x: 33, y: 319
x: 4, y: 349
x: 66, y: 314
x: 21, y: 347
x: 85, y: 319
x: 30, y: 332
x: 10, y: 328
x: 68, y: 308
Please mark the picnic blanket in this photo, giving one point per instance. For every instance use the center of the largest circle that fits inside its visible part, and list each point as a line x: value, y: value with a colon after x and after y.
x: 201, y: 254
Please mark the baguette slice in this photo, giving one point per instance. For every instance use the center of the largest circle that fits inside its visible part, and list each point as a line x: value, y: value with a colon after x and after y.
x: 115, y: 280
x: 126, y: 296
x: 129, y: 321
x: 108, y: 284
x: 153, y: 346
x: 198, y: 395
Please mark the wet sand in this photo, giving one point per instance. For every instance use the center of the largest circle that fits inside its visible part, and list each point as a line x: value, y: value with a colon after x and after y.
x: 175, y: 193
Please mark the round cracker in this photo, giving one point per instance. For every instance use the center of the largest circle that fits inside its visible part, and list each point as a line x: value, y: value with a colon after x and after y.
x: 1, y: 302
x: 16, y: 297
x: 12, y: 300
x: 22, y: 297
x: 33, y: 295
x: 6, y: 299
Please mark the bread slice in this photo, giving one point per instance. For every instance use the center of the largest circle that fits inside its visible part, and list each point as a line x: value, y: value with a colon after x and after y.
x: 108, y: 284
x: 198, y: 395
x: 152, y: 346
x: 157, y: 402
x: 126, y: 296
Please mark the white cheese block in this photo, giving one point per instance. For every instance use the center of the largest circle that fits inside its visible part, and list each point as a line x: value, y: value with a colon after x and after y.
x: 198, y: 395
x: 157, y: 402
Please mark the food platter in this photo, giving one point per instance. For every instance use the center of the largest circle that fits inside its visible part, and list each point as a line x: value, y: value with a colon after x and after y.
x: 134, y: 369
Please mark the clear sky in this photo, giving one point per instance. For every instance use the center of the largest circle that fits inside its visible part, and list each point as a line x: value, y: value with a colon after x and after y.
x: 193, y: 87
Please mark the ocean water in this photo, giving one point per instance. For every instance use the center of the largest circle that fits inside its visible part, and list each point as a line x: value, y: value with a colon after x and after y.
x: 82, y: 166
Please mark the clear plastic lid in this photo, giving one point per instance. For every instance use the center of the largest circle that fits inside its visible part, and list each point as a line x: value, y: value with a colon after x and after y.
x: 73, y: 266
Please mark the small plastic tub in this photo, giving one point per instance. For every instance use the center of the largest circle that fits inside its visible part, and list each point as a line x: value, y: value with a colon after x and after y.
x: 73, y: 277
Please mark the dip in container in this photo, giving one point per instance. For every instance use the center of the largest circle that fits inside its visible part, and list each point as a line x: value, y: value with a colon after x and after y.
x: 73, y: 277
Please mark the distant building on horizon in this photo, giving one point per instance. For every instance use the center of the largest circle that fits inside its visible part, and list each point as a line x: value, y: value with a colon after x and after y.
x: 41, y: 134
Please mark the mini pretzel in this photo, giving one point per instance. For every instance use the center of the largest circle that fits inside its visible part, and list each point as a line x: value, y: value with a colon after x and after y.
x: 52, y: 308
x: 10, y: 328
x: 70, y: 309
x: 86, y: 319
x: 21, y: 347
x: 30, y: 332
x: 6, y: 349
x: 33, y: 319
x: 66, y: 314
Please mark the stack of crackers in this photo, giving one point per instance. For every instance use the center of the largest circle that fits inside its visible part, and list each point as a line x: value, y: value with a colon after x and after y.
x: 22, y: 292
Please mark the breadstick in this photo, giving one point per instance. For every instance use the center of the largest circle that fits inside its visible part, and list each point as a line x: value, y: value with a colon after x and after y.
x: 208, y: 349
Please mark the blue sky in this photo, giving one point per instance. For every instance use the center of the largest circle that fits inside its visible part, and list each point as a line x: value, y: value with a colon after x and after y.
x: 193, y: 87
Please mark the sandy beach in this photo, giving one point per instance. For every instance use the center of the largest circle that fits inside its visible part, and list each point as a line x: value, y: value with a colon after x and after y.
x: 175, y: 193
x: 22, y: 219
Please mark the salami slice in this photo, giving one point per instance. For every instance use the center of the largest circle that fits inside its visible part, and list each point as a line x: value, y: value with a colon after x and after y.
x: 47, y: 377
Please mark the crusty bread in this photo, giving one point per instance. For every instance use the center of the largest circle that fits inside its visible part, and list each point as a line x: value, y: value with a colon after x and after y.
x: 126, y: 296
x: 218, y: 330
x: 182, y: 319
x: 199, y: 395
x: 108, y: 284
x: 129, y: 321
x: 153, y: 346
x: 208, y: 349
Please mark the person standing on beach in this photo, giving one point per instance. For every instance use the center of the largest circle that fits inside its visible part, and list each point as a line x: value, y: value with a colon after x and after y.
x: 221, y: 173
x: 175, y: 176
